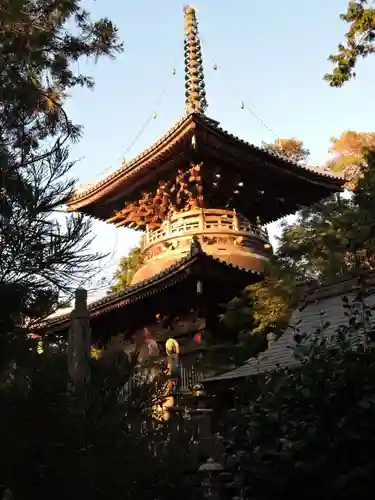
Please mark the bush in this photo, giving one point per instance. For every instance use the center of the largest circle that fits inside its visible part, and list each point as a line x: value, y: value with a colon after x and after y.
x: 310, y: 432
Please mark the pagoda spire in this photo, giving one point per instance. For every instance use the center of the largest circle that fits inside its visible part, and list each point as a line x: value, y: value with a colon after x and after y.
x: 195, y: 94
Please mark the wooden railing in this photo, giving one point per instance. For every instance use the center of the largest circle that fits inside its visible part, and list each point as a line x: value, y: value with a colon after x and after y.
x: 190, y: 374
x: 203, y: 221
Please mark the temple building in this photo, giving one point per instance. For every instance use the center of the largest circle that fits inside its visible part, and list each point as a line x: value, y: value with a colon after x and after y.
x: 322, y: 309
x: 201, y: 198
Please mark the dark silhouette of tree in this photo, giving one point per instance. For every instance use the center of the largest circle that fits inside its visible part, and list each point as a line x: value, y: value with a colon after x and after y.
x: 310, y: 428
x: 43, y: 254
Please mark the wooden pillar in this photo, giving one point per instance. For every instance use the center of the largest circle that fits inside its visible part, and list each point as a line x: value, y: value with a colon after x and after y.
x: 235, y: 222
x: 202, y: 222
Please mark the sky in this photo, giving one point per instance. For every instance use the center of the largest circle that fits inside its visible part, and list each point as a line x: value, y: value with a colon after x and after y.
x: 271, y: 55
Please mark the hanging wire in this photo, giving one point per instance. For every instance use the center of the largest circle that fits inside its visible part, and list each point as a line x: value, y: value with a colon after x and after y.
x: 152, y: 116
x: 243, y: 104
x: 110, y: 258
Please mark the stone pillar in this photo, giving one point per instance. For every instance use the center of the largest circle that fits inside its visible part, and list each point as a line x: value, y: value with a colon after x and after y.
x: 79, y: 341
x: 211, y: 471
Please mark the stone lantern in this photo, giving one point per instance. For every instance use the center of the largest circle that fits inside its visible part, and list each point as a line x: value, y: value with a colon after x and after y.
x: 211, y: 471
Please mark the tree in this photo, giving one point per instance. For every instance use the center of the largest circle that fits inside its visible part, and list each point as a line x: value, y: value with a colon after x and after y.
x: 292, y: 149
x: 349, y: 154
x: 311, y: 429
x: 360, y: 16
x: 334, y: 238
x: 330, y: 240
x: 41, y: 256
x: 37, y: 69
x: 127, y: 268
x: 273, y: 299
x: 314, y: 245
x: 266, y: 306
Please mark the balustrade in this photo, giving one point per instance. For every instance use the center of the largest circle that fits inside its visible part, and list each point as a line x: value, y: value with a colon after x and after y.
x: 203, y: 221
x: 190, y: 374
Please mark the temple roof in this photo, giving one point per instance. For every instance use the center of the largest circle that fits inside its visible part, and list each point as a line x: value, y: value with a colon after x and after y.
x: 319, y: 305
x: 100, y: 199
x: 196, y: 264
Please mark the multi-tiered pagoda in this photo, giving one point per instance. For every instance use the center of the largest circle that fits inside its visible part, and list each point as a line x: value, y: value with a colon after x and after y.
x: 201, y: 197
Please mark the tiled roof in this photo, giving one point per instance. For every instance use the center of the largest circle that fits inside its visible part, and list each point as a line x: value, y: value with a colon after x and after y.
x: 322, y: 172
x: 279, y: 354
x: 164, y: 279
x: 325, y: 305
x: 129, y: 166
x: 136, y: 163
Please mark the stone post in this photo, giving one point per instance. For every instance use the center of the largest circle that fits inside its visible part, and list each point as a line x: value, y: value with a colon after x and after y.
x: 211, y: 471
x: 79, y: 341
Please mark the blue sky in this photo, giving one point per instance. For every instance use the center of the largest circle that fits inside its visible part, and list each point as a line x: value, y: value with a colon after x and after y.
x: 271, y: 55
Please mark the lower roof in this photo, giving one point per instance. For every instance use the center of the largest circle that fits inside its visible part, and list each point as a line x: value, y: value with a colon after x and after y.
x: 320, y: 303
x: 279, y: 355
x: 197, y: 262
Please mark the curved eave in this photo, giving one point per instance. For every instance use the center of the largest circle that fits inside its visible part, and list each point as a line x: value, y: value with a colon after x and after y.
x: 316, y: 175
x: 127, y: 173
x: 167, y: 278
x: 97, y: 199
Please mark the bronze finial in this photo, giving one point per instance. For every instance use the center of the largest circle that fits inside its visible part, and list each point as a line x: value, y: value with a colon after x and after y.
x: 195, y: 94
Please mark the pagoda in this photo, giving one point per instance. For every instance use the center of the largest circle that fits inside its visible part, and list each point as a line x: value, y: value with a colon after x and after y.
x: 201, y: 198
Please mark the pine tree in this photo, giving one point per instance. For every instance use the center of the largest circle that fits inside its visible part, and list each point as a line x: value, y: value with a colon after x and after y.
x: 42, y: 253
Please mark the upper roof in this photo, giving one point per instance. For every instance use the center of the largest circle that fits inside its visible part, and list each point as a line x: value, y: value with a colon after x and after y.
x: 100, y: 199
x: 196, y: 132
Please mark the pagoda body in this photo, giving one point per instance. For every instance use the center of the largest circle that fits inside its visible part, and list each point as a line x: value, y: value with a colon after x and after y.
x: 201, y: 198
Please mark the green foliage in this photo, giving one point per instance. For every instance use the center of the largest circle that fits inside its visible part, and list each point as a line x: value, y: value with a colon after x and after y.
x: 315, y: 244
x: 311, y: 429
x: 360, y: 37
x: 330, y: 240
x: 334, y: 238
x: 127, y: 268
x: 40, y: 43
x: 272, y: 300
x: 266, y: 306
